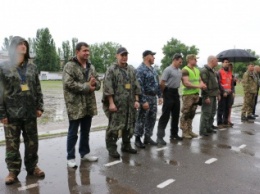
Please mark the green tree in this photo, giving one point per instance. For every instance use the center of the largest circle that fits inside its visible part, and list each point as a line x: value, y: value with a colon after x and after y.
x: 103, y: 55
x: 74, y: 42
x: 66, y: 50
x: 240, y: 68
x: 46, y: 58
x: 31, y: 42
x: 7, y: 41
x: 175, y: 46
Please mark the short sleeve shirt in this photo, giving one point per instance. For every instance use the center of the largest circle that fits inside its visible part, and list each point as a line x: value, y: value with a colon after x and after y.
x: 172, y: 76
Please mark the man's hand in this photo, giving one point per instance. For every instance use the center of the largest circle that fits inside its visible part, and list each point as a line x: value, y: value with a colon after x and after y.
x: 160, y: 101
x: 145, y: 106
x: 207, y: 101
x: 225, y: 94
x: 202, y: 86
x: 136, y: 105
x: 38, y: 113
x: 92, y: 81
x: 218, y: 97
x: 4, y: 121
x: 112, y: 107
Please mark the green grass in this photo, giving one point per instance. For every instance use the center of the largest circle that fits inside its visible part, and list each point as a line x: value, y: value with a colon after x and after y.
x: 51, y: 85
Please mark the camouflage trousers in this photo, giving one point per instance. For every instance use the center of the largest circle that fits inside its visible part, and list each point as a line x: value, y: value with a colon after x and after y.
x: 146, y: 118
x: 189, y: 106
x: 13, y: 130
x: 248, y: 105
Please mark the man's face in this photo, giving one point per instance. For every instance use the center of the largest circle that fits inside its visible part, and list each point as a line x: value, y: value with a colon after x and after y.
x: 177, y: 62
x: 83, y: 53
x: 193, y: 62
x: 21, y: 48
x: 122, y: 58
x: 214, y: 62
x: 151, y: 59
x: 251, y: 67
x: 225, y: 63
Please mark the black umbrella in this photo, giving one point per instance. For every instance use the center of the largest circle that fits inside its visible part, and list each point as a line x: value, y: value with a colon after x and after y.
x: 236, y: 55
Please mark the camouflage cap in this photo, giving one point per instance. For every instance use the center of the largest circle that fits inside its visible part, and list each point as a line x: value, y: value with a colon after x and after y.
x: 121, y: 50
x: 191, y: 56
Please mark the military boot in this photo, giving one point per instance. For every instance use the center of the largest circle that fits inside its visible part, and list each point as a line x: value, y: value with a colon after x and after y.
x: 148, y: 140
x: 160, y: 141
x: 11, y: 178
x: 192, y: 134
x: 138, y: 142
x: 112, y: 147
x: 126, y: 147
x: 186, y: 134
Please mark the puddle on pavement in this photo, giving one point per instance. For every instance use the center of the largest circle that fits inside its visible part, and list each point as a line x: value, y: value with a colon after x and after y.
x: 224, y: 146
x: 251, y: 132
x: 132, y: 163
x: 172, y: 162
x: 247, y: 151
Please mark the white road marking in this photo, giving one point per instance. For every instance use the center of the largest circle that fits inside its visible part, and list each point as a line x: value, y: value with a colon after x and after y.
x: 224, y: 129
x: 165, y: 183
x: 242, y: 146
x: 28, y: 187
x: 210, y: 161
x: 160, y: 149
x: 113, y: 163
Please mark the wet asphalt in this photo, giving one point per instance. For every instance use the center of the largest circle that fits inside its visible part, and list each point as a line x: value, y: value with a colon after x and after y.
x: 227, y: 163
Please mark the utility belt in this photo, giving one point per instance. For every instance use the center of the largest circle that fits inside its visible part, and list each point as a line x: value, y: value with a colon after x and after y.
x: 172, y: 90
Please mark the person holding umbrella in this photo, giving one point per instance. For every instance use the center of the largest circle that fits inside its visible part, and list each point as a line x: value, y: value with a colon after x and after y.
x: 225, y: 86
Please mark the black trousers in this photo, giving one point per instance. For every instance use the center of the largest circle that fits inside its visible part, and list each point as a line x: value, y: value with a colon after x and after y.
x: 223, y: 109
x: 171, y: 107
x: 256, y: 99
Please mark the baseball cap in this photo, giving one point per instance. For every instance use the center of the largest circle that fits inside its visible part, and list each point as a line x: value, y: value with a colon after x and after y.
x: 148, y: 52
x: 121, y: 50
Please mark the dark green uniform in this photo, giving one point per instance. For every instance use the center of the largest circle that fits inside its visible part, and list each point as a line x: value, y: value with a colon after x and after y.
x: 122, y: 84
x: 20, y: 98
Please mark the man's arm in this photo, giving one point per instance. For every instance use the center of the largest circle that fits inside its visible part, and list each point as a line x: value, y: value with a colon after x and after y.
x: 2, y: 105
x: 70, y: 83
x: 39, y: 100
x: 186, y: 82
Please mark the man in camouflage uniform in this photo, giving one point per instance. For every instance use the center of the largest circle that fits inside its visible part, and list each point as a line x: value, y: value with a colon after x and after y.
x: 257, y: 73
x: 21, y: 102
x: 249, y: 83
x: 80, y: 80
x: 149, y: 83
x: 209, y: 96
x: 190, y: 96
x: 120, y: 101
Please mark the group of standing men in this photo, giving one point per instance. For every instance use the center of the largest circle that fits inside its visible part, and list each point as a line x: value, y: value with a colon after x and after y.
x: 129, y: 102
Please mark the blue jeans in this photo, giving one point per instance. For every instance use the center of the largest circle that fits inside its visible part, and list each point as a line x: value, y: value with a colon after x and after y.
x: 72, y: 137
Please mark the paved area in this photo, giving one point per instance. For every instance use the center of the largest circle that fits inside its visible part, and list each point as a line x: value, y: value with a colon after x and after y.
x: 226, y: 162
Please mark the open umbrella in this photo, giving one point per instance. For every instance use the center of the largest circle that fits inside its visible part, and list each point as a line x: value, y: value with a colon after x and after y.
x: 236, y: 55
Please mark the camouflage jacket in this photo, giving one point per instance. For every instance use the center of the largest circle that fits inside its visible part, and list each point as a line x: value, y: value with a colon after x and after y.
x: 149, y: 82
x: 115, y: 84
x: 79, y: 101
x: 250, y: 82
x: 209, y: 77
x: 15, y: 103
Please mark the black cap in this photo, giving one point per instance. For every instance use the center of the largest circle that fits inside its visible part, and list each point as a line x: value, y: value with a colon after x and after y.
x: 147, y: 52
x: 177, y: 56
x: 121, y: 50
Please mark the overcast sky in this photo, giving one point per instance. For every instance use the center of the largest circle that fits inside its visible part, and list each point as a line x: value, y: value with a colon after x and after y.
x: 210, y: 25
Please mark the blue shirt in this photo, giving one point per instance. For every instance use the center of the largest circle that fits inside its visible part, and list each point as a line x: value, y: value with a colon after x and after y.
x: 149, y: 82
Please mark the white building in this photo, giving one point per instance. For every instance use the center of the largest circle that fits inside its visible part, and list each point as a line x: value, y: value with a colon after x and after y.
x: 45, y: 75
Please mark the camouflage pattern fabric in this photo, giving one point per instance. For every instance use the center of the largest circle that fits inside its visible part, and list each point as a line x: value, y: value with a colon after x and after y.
x: 79, y: 101
x: 13, y: 130
x: 189, y: 106
x: 248, y: 105
x: 146, y: 118
x: 122, y: 122
x: 15, y: 103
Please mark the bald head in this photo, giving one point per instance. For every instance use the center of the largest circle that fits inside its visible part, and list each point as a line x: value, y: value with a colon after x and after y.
x: 257, y: 68
x: 212, y: 61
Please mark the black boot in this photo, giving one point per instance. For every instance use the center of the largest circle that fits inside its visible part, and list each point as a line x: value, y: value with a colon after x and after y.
x: 112, y: 146
x: 126, y: 147
x: 160, y: 141
x: 148, y: 140
x: 138, y: 142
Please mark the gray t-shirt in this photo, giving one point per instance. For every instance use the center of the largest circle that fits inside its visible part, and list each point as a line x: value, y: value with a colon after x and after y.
x: 172, y: 76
